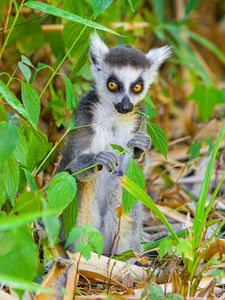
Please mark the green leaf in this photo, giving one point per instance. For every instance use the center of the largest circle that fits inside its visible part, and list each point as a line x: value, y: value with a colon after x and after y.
x: 49, y: 9
x: 117, y: 147
x: 159, y: 8
x: 31, y: 101
x: 70, y: 216
x: 25, y: 285
x: 21, y: 149
x: 30, y: 179
x: 135, y: 190
x: 201, y: 211
x: 165, y: 246
x: 9, y: 139
x: 155, y: 292
x: 185, y: 248
x: 52, y: 227
x: 87, y: 239
x: 26, y: 61
x: 8, y: 223
x: 18, y: 253
x: 70, y: 97
x: 158, y: 137
x: 25, y: 71
x: 99, y: 6
x: 79, y: 53
x: 11, y: 173
x: 11, y: 99
x: 134, y: 173
x: 61, y: 191
x: 194, y: 150
x: 206, y: 98
x: 29, y: 201
x: 191, y: 4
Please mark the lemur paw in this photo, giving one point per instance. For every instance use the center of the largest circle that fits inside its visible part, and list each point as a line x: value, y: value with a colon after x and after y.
x: 107, y: 159
x: 140, y: 142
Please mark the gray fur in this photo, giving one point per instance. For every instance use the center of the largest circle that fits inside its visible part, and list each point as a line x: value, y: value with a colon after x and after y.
x: 122, y: 56
x: 99, y: 189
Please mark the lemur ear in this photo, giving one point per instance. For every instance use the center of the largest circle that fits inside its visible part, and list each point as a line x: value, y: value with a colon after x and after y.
x: 98, y: 50
x: 157, y: 56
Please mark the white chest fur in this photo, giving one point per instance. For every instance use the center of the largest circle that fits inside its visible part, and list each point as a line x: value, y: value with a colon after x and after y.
x: 111, y: 127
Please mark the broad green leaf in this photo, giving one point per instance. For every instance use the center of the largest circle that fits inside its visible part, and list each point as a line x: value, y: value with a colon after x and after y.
x: 194, y: 150
x: 185, y: 248
x: 49, y: 9
x: 70, y: 96
x: 79, y: 53
x: 75, y: 234
x: 61, y: 191
x: 9, y: 139
x: 30, y: 179
x: 18, y: 253
x: 21, y: 150
x: 70, y: 216
x: 159, y: 8
x: 2, y: 190
x: 26, y: 61
x: 158, y: 137
x: 87, y: 239
x: 134, y: 173
x: 165, y: 247
x: 11, y: 173
x: 140, y: 194
x: 154, y: 292
x: 29, y: 201
x: 31, y: 101
x: 206, y: 97
x: 11, y: 99
x: 25, y: 71
x: 99, y: 6
x: 191, y: 4
x: 38, y: 146
x: 25, y: 285
x: 8, y: 223
x: 52, y: 228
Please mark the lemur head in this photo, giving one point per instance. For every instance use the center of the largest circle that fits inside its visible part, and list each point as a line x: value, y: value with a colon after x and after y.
x: 123, y: 74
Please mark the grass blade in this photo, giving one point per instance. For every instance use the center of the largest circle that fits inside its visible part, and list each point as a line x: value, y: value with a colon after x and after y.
x: 58, y: 12
x: 135, y: 190
x: 201, y: 211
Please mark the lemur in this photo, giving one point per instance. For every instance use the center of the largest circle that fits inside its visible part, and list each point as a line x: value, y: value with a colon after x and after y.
x: 109, y: 114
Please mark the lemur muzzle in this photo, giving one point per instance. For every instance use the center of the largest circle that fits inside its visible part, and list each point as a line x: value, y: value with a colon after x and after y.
x: 124, y: 106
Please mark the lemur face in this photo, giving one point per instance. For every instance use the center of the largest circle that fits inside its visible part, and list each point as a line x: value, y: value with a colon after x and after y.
x: 123, y: 74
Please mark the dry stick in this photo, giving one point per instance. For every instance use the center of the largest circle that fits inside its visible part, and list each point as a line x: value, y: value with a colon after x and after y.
x: 7, y: 17
x: 11, y: 28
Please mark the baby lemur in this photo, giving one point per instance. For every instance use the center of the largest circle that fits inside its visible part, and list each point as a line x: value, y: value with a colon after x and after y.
x: 122, y: 76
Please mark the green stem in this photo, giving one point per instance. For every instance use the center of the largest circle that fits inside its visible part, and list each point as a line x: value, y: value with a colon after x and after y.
x: 56, y: 144
x: 62, y: 61
x: 11, y: 28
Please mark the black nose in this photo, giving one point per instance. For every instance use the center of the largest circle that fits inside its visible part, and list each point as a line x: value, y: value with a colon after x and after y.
x: 124, y: 106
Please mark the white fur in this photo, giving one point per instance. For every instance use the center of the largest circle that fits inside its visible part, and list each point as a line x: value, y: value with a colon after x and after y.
x: 98, y: 49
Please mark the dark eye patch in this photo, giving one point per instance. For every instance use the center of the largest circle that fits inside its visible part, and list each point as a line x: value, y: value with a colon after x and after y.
x: 138, y: 81
x: 115, y: 79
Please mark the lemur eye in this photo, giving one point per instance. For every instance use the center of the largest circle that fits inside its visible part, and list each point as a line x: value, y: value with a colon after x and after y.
x: 112, y: 85
x: 137, y: 87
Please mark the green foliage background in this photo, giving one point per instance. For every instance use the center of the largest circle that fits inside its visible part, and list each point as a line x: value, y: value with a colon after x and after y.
x: 44, y: 70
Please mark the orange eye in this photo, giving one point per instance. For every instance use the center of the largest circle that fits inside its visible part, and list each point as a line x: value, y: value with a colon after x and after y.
x: 137, y: 87
x: 112, y: 85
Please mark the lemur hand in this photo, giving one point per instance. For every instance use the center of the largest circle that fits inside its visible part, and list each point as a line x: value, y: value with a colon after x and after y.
x: 140, y: 142
x: 107, y: 159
